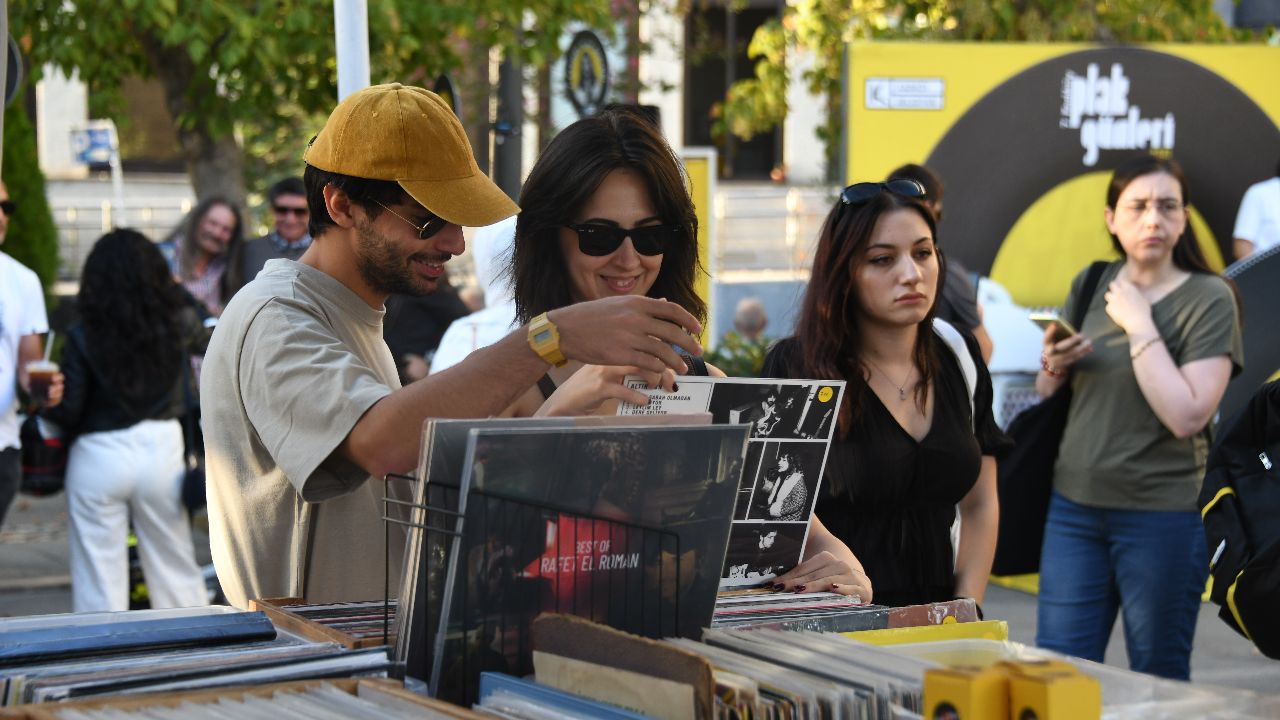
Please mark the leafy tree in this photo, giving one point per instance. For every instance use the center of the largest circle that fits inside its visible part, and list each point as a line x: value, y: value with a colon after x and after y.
x: 758, y: 104
x: 32, y: 238
x: 266, y: 70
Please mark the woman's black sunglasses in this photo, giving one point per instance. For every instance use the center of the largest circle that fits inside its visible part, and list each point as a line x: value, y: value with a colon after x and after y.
x: 598, y: 239
x: 859, y: 193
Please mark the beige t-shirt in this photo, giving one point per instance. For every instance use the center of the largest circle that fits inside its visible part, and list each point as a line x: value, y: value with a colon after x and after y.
x: 296, y: 359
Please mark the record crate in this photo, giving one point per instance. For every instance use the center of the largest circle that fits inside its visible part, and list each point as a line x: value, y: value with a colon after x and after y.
x: 391, y: 692
x: 354, y: 626
x: 481, y: 566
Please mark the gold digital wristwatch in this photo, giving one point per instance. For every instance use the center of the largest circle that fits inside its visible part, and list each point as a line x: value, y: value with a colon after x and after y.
x: 545, y: 340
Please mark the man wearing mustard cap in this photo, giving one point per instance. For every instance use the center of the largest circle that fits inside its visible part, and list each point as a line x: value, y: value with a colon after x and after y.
x: 301, y: 401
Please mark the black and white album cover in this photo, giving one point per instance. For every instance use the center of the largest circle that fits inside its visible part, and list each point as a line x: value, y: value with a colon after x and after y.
x: 790, y: 424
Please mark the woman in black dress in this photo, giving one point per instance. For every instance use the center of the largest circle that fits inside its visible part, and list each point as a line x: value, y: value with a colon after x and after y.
x: 908, y: 448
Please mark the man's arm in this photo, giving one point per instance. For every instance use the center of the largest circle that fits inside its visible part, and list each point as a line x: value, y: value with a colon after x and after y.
x: 629, y: 330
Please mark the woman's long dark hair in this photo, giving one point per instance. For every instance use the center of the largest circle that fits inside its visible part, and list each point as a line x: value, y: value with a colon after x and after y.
x: 131, y: 311
x: 828, y: 337
x: 564, y: 178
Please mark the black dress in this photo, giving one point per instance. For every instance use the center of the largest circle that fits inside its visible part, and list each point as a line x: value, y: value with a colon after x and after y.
x: 892, y: 499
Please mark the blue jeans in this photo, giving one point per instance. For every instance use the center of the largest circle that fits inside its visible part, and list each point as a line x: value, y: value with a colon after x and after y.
x: 1095, y: 561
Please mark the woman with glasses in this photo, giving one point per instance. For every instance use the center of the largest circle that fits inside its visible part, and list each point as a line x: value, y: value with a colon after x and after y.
x: 607, y: 213
x: 1159, y: 341
x: 912, y: 440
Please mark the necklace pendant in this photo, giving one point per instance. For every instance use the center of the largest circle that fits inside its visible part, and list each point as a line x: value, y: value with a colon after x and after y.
x: 902, y: 394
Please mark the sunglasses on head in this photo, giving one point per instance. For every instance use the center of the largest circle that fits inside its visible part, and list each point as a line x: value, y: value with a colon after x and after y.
x: 598, y: 239
x: 285, y: 209
x: 8, y: 206
x: 859, y: 193
x: 433, y: 225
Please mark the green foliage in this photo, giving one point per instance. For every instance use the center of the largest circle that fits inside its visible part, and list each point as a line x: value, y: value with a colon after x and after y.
x: 266, y: 71
x: 757, y: 104
x: 737, y: 356
x: 32, y: 238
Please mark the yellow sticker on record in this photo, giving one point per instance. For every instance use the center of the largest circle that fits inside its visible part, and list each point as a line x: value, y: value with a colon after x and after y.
x: 824, y: 394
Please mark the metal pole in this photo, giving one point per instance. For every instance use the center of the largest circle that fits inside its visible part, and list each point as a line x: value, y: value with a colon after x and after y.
x: 351, y: 35
x: 4, y: 66
x: 508, y: 150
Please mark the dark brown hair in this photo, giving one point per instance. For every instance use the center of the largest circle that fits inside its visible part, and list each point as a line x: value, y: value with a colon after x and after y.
x: 564, y: 179
x: 363, y: 192
x: 828, y: 337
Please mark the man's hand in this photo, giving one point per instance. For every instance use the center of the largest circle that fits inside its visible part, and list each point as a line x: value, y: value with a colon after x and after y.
x: 629, y: 331
x: 593, y: 385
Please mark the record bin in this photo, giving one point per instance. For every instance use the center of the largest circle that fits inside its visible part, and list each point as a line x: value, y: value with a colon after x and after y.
x: 391, y: 690
x: 481, y: 565
x: 298, y: 616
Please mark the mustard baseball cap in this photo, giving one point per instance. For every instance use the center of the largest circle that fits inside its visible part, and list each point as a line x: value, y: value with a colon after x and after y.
x: 410, y: 135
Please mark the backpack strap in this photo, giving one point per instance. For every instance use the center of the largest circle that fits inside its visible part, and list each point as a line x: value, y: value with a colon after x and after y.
x: 960, y: 349
x: 1087, y: 291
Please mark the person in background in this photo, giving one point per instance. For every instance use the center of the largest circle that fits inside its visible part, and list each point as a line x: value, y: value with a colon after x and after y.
x: 607, y: 215
x: 490, y: 251
x: 204, y: 253
x: 1258, y: 222
x: 911, y: 443
x: 958, y: 301
x: 414, y: 326
x: 126, y: 368
x: 22, y: 320
x: 1159, y: 341
x: 750, y: 319
x: 289, y: 238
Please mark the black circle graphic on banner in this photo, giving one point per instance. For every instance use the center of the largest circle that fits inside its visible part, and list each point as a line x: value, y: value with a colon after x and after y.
x: 1008, y: 150
x: 445, y: 89
x: 1255, y: 277
x: 586, y: 73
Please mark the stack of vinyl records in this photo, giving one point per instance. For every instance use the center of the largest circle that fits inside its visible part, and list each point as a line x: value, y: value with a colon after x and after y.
x: 829, y: 612
x: 60, y: 657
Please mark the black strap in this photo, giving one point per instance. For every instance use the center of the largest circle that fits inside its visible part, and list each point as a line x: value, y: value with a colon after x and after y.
x: 547, y: 386
x: 1087, y: 291
x: 697, y: 366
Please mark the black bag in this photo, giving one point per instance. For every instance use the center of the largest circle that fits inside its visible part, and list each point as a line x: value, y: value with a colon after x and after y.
x: 1024, y: 480
x: 44, y: 459
x: 1240, y: 500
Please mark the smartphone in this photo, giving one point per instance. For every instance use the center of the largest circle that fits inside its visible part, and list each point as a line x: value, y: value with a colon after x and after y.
x: 1062, y: 328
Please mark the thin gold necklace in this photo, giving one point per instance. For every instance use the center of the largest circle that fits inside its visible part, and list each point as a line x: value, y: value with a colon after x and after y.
x: 902, y: 389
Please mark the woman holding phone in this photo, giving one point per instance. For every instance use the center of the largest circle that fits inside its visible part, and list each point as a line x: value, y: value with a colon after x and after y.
x: 1159, y: 341
x: 606, y: 212
x: 912, y: 441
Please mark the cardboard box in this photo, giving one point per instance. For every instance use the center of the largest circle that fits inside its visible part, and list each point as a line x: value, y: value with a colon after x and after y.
x: 966, y: 693
x: 1052, y: 690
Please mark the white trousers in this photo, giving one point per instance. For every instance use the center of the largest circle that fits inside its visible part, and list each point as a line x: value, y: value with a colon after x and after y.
x: 112, y: 477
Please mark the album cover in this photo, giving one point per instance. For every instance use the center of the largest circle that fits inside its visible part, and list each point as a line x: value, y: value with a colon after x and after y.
x: 623, y: 525
x: 790, y: 424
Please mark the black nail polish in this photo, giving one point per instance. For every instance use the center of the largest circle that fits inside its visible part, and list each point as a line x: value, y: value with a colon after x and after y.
x: 799, y: 589
x: 779, y: 587
x: 675, y: 387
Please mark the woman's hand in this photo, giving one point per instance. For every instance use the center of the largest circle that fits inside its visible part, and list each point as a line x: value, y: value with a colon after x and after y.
x: 826, y: 572
x: 56, y: 389
x: 1129, y: 309
x: 593, y: 385
x: 1062, y: 354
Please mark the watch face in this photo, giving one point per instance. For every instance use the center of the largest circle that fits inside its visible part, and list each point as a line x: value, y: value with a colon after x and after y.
x: 542, y: 337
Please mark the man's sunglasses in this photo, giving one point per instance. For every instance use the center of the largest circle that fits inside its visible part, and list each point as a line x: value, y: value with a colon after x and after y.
x: 285, y: 209
x: 433, y: 225
x: 8, y: 206
x: 598, y: 239
x: 859, y: 193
